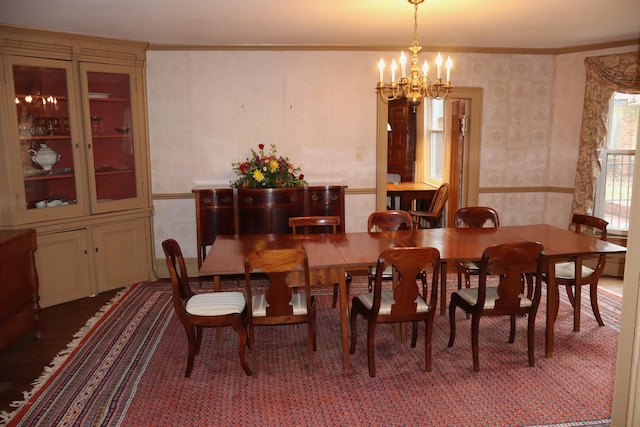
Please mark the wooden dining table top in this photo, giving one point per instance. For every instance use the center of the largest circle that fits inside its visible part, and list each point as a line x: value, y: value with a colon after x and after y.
x: 361, y: 249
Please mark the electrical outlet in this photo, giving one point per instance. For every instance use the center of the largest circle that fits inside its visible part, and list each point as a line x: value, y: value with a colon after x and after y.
x: 359, y: 154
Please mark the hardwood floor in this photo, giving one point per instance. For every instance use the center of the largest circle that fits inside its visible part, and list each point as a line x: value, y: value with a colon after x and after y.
x: 24, y: 360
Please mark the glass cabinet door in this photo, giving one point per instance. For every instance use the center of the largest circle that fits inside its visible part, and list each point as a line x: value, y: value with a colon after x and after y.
x: 112, y: 152
x: 44, y: 120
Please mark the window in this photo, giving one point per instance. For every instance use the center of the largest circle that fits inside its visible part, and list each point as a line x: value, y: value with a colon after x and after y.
x: 614, y: 187
x: 434, y: 115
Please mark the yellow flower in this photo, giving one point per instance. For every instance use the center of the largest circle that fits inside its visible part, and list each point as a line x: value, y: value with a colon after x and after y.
x: 257, y: 175
x: 273, y: 165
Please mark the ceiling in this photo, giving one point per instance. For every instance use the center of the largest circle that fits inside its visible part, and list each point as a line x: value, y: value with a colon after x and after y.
x: 538, y: 24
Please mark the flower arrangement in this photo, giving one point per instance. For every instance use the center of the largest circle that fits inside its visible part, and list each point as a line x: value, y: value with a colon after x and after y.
x: 263, y: 170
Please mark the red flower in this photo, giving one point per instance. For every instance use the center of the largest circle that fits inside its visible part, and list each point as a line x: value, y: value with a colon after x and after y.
x: 261, y: 146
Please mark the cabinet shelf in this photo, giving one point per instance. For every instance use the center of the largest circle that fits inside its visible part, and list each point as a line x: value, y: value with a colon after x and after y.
x: 45, y: 137
x: 108, y: 99
x: 114, y: 172
x: 49, y: 176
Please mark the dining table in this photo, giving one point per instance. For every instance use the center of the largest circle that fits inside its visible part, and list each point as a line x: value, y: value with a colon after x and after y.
x: 331, y: 255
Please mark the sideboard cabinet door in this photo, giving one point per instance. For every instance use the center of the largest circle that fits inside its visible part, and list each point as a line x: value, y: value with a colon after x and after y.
x: 267, y: 210
x: 327, y: 201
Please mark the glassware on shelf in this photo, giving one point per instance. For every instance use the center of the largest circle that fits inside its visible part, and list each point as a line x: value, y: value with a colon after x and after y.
x: 96, y: 125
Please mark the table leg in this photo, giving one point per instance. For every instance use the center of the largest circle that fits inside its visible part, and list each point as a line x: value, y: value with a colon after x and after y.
x: 443, y: 288
x: 553, y: 299
x: 217, y: 286
x: 344, y: 318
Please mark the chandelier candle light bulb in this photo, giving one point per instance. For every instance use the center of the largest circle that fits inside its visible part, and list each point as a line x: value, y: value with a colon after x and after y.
x: 414, y: 87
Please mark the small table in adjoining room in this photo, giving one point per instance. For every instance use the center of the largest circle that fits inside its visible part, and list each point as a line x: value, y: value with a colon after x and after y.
x: 409, y: 191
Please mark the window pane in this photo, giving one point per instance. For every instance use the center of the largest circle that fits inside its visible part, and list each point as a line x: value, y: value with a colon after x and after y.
x: 623, y: 132
x: 618, y: 186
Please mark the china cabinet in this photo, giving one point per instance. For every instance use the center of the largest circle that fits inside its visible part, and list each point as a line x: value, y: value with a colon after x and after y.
x: 75, y: 158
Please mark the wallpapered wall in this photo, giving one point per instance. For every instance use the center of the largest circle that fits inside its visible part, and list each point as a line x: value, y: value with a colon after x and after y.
x: 207, y: 109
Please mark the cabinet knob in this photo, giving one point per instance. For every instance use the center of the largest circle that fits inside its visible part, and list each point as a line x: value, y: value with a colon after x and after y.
x: 248, y: 199
x: 207, y: 201
x: 293, y: 198
x: 315, y: 197
x: 226, y: 199
x: 334, y: 197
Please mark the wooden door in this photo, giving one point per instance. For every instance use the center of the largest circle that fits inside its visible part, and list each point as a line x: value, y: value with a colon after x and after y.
x: 457, y: 125
x: 401, y: 147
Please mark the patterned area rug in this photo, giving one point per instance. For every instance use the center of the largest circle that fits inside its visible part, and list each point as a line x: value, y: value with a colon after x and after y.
x: 127, y: 368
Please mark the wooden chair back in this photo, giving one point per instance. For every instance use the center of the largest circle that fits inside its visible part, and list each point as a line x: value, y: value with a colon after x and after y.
x: 389, y: 220
x: 179, y: 276
x: 279, y: 305
x: 512, y: 262
x: 476, y: 217
x: 276, y: 264
x: 440, y: 200
x: 314, y: 224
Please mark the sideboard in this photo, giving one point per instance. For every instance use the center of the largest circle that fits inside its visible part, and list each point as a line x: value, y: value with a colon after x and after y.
x: 19, y: 307
x: 229, y: 211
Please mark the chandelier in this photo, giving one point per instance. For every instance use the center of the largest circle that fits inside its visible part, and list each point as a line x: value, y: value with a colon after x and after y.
x: 415, y: 86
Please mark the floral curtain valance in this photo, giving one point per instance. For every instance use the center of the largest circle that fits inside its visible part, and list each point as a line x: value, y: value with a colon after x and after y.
x: 605, y: 75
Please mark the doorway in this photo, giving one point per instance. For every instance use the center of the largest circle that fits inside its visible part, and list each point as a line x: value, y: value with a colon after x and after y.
x: 468, y: 153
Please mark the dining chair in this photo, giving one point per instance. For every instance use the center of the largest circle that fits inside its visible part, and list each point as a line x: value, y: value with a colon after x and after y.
x: 590, y: 274
x: 405, y: 303
x: 320, y: 224
x: 473, y: 217
x: 432, y: 218
x: 387, y: 220
x: 278, y: 304
x: 199, y: 310
x: 511, y: 262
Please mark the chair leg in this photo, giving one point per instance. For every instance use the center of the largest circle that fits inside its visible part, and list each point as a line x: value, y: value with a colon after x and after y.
x: 240, y: 328
x: 191, y: 339
x: 335, y: 295
x: 428, y: 326
x: 371, y: 347
x: 311, y: 338
x: 576, y: 308
x: 512, y: 329
x: 452, y: 323
x: 414, y: 333
x: 593, y: 296
x: 354, y: 330
x: 198, y: 339
x: 475, y: 326
x: 531, y: 333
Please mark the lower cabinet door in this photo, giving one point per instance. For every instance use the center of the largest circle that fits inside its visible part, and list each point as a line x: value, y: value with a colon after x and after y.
x: 63, y: 263
x: 121, y: 253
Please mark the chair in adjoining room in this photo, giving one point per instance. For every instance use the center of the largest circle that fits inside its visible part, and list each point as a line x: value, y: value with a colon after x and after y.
x: 473, y: 217
x: 511, y: 262
x: 200, y: 310
x: 320, y: 224
x: 404, y: 303
x: 387, y: 220
x: 590, y: 274
x: 432, y: 218
x: 279, y: 305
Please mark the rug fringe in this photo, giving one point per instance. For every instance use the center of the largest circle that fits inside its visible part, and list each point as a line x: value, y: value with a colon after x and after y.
x: 61, y: 357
